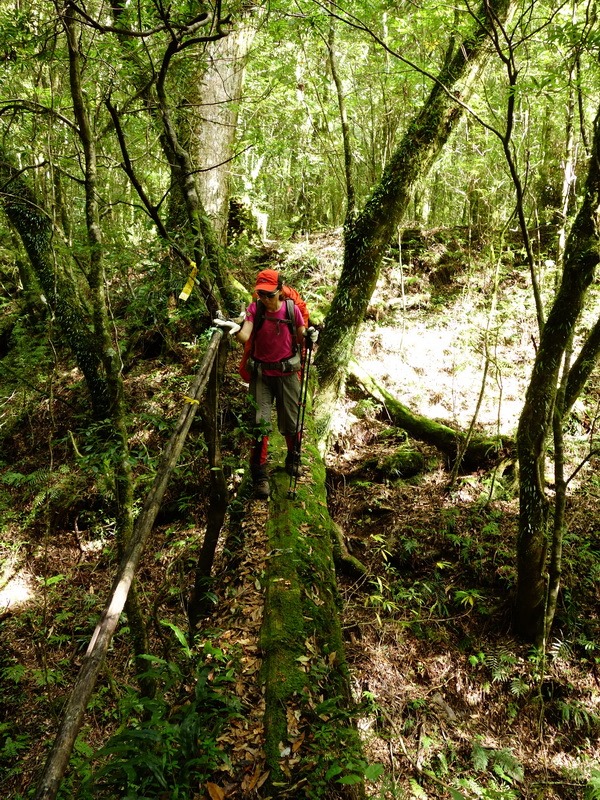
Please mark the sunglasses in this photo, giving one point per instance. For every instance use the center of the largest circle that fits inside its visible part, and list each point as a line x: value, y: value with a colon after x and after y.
x: 261, y: 293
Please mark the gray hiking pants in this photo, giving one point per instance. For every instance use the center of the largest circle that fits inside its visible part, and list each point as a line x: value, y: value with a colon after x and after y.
x: 285, y: 391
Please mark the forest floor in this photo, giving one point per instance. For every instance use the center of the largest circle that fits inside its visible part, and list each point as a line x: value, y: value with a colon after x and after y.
x: 452, y: 699
x: 451, y: 705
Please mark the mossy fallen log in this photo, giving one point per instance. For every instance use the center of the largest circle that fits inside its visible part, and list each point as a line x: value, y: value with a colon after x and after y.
x: 311, y: 743
x: 476, y: 452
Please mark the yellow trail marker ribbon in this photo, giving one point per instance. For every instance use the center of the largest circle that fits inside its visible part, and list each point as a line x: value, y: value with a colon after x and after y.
x: 187, y: 289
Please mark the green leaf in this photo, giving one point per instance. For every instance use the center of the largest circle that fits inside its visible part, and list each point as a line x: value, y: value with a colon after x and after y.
x: 418, y: 790
x: 54, y: 579
x: 334, y: 770
x: 374, y: 771
x: 180, y: 636
x: 350, y: 780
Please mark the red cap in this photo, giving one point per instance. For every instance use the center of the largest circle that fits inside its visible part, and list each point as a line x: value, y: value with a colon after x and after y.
x: 267, y: 280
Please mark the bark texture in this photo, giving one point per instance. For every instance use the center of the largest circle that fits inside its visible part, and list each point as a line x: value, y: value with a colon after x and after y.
x: 214, y: 121
x: 304, y: 669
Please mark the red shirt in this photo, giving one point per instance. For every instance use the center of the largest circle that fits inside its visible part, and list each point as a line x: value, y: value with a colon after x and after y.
x: 273, y: 341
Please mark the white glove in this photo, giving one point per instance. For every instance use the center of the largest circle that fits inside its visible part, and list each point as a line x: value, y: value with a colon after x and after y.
x: 312, y: 334
x: 228, y: 325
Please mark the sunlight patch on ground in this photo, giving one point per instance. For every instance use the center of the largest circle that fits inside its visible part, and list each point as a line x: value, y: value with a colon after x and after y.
x: 16, y: 592
x: 432, y: 369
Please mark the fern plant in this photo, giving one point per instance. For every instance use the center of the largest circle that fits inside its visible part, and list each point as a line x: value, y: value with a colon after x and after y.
x: 502, y: 663
x: 574, y: 714
x: 55, y: 487
x: 501, y: 763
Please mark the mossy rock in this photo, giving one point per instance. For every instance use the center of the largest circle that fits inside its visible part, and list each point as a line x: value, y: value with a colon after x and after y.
x: 403, y: 463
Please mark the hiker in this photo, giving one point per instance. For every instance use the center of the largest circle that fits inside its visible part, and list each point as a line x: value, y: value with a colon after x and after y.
x: 274, y: 361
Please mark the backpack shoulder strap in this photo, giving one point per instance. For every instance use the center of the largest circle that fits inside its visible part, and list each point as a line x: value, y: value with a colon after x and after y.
x: 259, y: 318
x: 290, y: 305
x: 289, y: 291
x: 290, y: 311
x: 260, y: 314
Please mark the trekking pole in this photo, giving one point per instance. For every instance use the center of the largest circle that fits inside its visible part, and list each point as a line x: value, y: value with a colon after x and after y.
x: 300, y: 417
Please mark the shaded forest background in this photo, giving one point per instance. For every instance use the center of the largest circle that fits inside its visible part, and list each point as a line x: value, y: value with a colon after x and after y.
x: 152, y: 160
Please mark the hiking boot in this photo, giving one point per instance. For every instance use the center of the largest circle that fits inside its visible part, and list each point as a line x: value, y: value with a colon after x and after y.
x: 293, y: 466
x: 262, y: 490
x: 260, y: 482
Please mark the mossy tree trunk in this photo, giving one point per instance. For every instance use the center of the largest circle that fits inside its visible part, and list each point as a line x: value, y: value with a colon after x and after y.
x: 367, y: 237
x: 25, y: 212
x: 480, y: 451
x: 534, y: 540
x: 310, y: 738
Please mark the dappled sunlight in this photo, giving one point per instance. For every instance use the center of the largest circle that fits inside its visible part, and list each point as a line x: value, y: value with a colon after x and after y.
x: 435, y: 366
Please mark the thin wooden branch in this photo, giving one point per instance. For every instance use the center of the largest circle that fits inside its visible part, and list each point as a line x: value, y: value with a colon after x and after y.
x: 72, y: 720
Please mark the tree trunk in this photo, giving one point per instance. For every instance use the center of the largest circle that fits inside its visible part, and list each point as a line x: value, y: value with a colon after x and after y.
x: 116, y: 432
x: 187, y: 217
x: 368, y: 236
x: 25, y: 213
x: 345, y: 126
x: 214, y: 121
x: 304, y: 666
x: 581, y: 259
x: 218, y: 498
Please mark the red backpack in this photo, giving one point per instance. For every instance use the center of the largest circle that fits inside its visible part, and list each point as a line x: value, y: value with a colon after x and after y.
x: 292, y: 298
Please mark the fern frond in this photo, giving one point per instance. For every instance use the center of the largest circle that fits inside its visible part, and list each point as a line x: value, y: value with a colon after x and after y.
x: 479, y: 758
x: 507, y: 766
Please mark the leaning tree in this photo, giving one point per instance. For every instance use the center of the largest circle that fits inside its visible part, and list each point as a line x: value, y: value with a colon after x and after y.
x: 367, y: 235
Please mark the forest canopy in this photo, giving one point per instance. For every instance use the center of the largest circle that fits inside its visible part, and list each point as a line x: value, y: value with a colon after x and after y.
x: 426, y: 175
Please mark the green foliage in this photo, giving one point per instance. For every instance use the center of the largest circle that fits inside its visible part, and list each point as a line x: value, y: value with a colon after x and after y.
x: 575, y: 715
x: 502, y: 663
x: 54, y: 490
x: 163, y: 745
x: 592, y: 790
x: 502, y: 762
x: 290, y: 118
x: 467, y: 597
x: 323, y: 764
x: 490, y: 790
x: 366, y: 409
x: 12, y: 744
